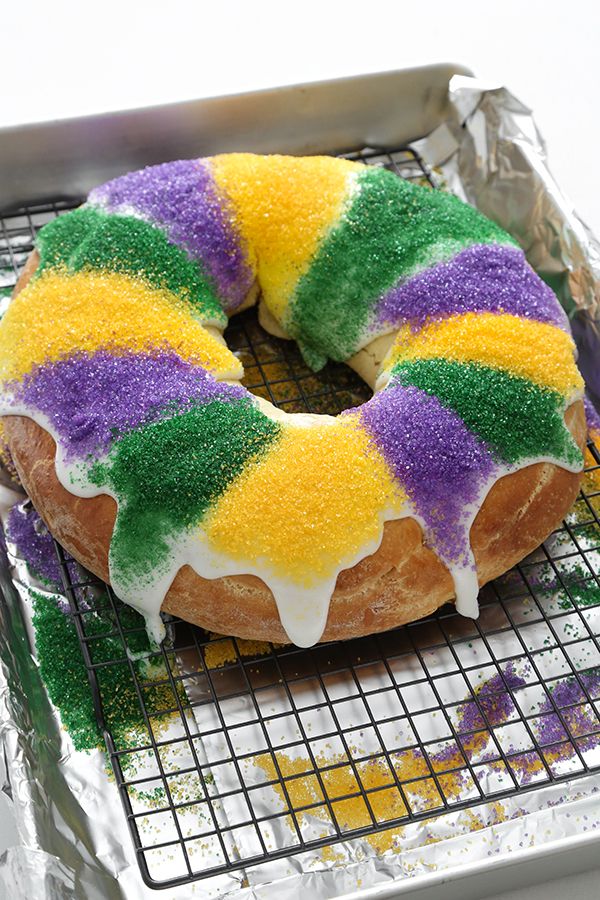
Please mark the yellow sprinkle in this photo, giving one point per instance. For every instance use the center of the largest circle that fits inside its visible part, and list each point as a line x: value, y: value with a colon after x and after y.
x: 284, y: 205
x: 272, y: 512
x: 591, y: 479
x: 92, y: 310
x: 5, y: 457
x: 220, y: 651
x: 534, y: 350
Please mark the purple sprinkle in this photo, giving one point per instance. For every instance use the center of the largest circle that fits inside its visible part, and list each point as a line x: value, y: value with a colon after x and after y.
x: 592, y: 415
x: 26, y: 530
x: 435, y: 457
x: 578, y: 715
x: 470, y: 718
x: 495, y: 701
x: 482, y: 278
x: 91, y: 398
x: 549, y: 730
x: 182, y: 198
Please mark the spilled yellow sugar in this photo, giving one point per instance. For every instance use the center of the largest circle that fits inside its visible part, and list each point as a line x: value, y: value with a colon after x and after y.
x: 271, y: 512
x: 282, y: 221
x: 222, y: 650
x: 591, y: 479
x: 60, y: 314
x: 374, y: 780
x: 5, y: 457
x: 307, y: 798
x: 534, y: 350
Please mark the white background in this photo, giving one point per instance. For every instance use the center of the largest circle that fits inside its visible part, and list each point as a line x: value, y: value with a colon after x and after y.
x: 61, y: 59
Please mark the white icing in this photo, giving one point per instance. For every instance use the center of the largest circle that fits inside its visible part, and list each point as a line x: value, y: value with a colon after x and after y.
x: 303, y: 610
x: 466, y: 589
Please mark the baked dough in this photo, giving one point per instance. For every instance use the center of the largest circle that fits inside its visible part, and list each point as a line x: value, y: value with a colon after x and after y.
x: 404, y: 568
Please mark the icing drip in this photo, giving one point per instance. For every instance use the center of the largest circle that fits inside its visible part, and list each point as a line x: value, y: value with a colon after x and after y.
x: 439, y: 461
x: 200, y: 451
x: 272, y: 512
x: 136, y: 392
x: 92, y: 399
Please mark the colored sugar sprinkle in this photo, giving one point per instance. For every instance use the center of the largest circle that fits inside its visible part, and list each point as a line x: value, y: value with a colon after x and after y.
x: 578, y: 586
x: 34, y: 544
x: 88, y: 238
x: 283, y: 223
x: 6, y: 460
x: 483, y: 278
x: 120, y: 277
x: 500, y: 342
x: 92, y: 399
x: 592, y: 415
x: 591, y: 478
x: 591, y: 482
x: 495, y: 700
x: 492, y: 705
x: 513, y: 417
x: 167, y: 474
x: 576, y: 714
x: 391, y: 229
x: 64, y: 674
x: 183, y: 198
x: 220, y: 650
x: 271, y: 513
x: 430, y: 451
x: 304, y: 790
x: 92, y: 311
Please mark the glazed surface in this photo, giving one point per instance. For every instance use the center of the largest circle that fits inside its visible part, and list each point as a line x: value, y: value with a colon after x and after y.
x: 132, y: 380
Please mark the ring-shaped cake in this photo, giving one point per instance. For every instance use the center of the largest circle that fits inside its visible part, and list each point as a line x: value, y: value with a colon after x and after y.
x: 154, y: 466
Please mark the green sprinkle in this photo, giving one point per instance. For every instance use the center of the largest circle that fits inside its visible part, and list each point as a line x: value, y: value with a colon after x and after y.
x: 168, y: 473
x: 391, y: 230
x: 64, y: 673
x: 517, y: 419
x: 88, y: 238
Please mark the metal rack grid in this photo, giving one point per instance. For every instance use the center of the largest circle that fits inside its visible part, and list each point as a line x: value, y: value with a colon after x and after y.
x: 345, y: 739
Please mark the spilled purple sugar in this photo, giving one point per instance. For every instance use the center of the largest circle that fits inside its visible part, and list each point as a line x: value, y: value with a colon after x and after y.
x: 33, y: 542
x: 592, y: 415
x: 183, y: 198
x: 482, y: 278
x: 441, y: 464
x: 494, y: 697
x: 92, y: 398
x: 569, y: 696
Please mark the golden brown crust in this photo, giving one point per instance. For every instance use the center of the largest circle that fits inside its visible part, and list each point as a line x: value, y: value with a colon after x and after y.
x: 402, y: 581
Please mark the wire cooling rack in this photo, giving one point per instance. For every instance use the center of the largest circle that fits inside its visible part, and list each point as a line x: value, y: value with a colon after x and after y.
x: 245, y: 752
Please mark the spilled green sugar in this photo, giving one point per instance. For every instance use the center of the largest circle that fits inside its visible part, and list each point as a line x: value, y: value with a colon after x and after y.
x: 515, y: 418
x: 167, y: 474
x: 64, y: 674
x: 391, y: 229
x: 87, y: 238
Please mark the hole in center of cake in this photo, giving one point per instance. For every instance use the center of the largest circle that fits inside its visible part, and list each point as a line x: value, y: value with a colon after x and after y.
x: 275, y: 370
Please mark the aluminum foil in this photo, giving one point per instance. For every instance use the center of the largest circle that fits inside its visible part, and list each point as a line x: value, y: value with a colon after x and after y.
x: 72, y: 839
x: 492, y: 154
